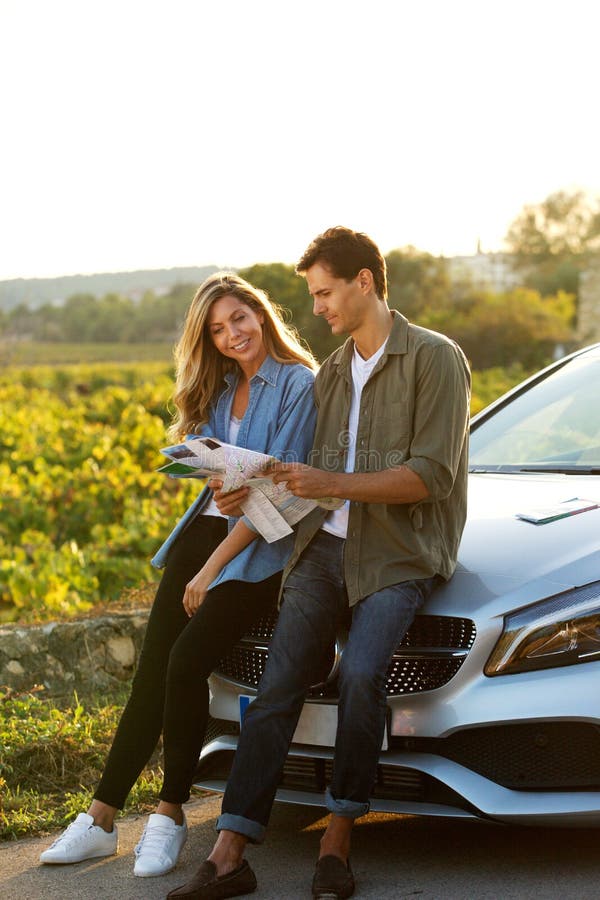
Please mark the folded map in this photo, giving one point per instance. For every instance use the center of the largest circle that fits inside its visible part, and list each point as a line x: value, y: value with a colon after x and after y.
x: 271, y: 508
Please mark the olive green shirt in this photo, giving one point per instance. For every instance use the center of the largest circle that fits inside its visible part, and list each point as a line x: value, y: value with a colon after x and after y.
x: 414, y: 411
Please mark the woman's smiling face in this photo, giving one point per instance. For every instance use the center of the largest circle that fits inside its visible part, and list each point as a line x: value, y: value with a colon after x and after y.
x: 236, y: 332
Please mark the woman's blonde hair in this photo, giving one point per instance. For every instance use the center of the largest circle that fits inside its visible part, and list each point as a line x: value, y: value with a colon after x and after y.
x: 200, y: 368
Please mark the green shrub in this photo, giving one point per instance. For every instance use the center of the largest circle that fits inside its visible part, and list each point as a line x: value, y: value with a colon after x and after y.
x: 490, y: 384
x: 51, y: 759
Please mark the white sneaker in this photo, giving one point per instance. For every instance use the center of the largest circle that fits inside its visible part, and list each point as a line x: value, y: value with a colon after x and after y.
x: 159, y: 847
x: 81, y: 840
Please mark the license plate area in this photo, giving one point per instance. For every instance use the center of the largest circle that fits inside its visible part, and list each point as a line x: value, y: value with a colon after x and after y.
x: 317, y: 724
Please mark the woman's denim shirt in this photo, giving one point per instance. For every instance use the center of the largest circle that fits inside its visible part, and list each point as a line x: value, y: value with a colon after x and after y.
x: 279, y: 420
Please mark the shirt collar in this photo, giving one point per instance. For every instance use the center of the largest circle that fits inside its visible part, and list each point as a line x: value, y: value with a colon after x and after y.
x: 397, y: 343
x: 398, y: 339
x: 269, y: 372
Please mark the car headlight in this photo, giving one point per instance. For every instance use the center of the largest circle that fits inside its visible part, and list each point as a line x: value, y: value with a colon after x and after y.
x: 560, y: 631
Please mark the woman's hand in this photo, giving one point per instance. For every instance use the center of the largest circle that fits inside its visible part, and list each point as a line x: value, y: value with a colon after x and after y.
x: 228, y: 504
x: 197, y: 588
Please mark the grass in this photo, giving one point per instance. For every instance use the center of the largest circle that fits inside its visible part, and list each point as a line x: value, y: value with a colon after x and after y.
x: 51, y: 758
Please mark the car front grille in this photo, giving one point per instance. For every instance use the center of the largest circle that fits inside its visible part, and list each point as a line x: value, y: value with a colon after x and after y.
x: 313, y: 774
x: 523, y: 756
x: 216, y: 728
x: 430, y: 654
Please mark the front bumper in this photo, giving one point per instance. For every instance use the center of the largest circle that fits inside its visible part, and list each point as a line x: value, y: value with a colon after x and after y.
x: 521, y: 749
x: 413, y: 784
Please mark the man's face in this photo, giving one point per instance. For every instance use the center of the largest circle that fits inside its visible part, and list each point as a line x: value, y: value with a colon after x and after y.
x: 342, y: 303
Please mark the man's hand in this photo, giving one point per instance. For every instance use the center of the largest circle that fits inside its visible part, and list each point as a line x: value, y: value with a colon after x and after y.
x: 396, y: 485
x: 303, y: 481
x: 228, y: 504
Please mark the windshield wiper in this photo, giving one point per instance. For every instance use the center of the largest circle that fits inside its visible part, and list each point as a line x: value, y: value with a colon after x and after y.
x: 562, y: 470
x: 552, y: 469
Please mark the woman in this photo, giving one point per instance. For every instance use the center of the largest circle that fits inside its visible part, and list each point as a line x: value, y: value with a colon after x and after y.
x: 243, y: 378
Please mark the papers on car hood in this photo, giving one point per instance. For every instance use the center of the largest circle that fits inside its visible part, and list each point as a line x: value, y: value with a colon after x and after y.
x: 540, y: 515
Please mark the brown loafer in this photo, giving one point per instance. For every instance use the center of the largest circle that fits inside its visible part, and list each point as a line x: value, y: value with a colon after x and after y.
x: 207, y: 885
x: 333, y: 879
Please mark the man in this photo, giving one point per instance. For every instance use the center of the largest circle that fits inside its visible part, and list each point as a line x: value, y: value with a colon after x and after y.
x: 391, y: 441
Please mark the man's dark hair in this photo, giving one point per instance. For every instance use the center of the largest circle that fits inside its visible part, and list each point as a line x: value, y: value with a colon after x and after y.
x: 345, y: 253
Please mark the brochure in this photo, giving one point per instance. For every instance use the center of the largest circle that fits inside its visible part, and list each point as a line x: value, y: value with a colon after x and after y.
x: 542, y: 515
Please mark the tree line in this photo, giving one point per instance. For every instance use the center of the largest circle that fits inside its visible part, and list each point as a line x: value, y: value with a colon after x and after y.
x: 548, y: 245
x: 36, y: 292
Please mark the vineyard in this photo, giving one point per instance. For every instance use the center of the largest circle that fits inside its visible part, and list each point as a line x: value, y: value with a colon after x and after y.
x: 82, y: 509
x: 27, y: 353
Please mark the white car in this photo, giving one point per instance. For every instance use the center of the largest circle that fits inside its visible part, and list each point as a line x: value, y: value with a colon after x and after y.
x: 494, y: 694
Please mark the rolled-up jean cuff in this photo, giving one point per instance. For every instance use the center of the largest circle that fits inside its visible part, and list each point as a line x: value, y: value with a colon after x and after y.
x: 350, y: 809
x: 254, y: 831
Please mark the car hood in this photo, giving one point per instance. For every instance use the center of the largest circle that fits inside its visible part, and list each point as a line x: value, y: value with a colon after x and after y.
x: 503, y: 555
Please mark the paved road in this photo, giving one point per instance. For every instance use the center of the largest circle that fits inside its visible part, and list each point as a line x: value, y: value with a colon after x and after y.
x: 394, y: 857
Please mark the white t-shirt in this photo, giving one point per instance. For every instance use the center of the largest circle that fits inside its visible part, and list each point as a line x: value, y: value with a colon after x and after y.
x: 211, y: 509
x: 337, y: 521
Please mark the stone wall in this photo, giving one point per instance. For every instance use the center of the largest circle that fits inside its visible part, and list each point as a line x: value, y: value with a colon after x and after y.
x: 86, y: 655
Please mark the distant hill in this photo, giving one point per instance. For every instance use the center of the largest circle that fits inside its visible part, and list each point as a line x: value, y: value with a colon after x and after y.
x: 36, y: 291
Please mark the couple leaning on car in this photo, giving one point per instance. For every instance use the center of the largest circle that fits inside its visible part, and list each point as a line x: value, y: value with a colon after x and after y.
x: 390, y: 439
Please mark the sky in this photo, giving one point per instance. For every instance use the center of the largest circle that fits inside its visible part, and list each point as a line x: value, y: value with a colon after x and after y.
x: 144, y: 134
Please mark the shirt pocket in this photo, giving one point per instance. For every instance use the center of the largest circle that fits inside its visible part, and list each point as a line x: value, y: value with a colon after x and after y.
x: 393, y: 433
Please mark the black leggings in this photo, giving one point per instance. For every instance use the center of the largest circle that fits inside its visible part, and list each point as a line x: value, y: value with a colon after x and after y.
x: 170, y: 691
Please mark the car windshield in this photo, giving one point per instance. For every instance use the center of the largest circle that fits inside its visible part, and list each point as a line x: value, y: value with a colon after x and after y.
x: 554, y: 426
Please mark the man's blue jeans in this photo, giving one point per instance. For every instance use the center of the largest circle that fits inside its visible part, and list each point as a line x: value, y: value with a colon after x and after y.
x: 314, y: 601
